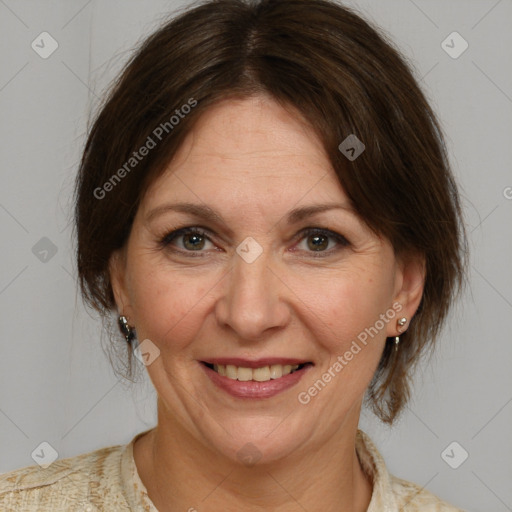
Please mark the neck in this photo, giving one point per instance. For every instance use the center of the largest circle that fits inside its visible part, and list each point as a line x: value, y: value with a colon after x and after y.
x: 181, y: 474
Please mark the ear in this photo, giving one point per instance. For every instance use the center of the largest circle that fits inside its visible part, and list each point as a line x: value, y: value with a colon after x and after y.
x: 409, y: 285
x: 117, y: 272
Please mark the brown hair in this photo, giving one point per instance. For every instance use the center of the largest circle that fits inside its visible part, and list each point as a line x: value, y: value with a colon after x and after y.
x: 345, y: 78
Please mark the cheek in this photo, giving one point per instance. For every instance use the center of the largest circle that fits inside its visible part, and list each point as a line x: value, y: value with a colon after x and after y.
x: 345, y: 320
x: 168, y: 305
x: 342, y: 307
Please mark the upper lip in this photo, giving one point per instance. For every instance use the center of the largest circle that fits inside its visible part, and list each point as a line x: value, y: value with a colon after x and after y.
x: 255, y: 363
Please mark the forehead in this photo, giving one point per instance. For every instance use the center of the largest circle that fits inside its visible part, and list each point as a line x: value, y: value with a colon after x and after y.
x: 249, y: 150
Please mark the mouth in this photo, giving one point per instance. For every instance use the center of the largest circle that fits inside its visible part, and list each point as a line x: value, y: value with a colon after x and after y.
x: 261, y: 379
x: 263, y: 373
x: 255, y: 379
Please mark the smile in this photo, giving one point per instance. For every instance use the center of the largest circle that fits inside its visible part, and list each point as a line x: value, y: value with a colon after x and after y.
x: 261, y: 374
x: 260, y: 379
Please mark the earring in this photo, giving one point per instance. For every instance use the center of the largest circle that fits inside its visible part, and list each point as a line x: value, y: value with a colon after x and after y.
x: 400, y: 323
x: 126, y: 329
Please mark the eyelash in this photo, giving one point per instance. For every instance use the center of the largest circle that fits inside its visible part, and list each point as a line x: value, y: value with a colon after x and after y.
x: 165, y: 242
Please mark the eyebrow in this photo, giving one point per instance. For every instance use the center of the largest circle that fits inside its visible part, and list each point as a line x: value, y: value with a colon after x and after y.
x: 207, y: 213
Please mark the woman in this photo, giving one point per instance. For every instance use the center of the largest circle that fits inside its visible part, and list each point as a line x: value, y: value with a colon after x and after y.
x: 265, y: 204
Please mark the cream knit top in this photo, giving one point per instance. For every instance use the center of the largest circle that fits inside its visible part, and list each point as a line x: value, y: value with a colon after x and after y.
x: 107, y: 480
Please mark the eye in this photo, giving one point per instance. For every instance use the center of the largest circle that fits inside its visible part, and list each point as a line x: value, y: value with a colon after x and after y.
x: 322, y: 240
x: 190, y: 240
x: 187, y: 239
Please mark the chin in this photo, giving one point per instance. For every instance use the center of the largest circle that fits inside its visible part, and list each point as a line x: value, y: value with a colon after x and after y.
x: 255, y: 440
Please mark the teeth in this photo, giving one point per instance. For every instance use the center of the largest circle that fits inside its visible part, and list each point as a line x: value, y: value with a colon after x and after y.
x: 231, y: 371
x: 260, y: 374
x: 276, y: 371
x: 244, y: 374
x: 263, y: 374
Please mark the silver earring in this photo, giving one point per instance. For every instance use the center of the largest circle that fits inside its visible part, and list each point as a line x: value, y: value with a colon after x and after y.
x: 126, y: 329
x: 400, y: 323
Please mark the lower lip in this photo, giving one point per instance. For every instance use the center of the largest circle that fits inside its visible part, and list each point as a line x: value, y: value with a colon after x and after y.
x: 253, y: 389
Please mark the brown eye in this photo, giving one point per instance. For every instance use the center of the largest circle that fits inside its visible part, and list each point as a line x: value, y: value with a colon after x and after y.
x: 322, y: 241
x: 193, y: 241
x: 187, y: 240
x: 318, y: 242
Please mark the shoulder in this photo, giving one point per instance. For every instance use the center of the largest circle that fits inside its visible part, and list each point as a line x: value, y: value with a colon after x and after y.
x: 411, y: 497
x: 391, y: 493
x: 74, y: 483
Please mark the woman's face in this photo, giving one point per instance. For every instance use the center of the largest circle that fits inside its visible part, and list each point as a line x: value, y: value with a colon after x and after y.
x: 266, y: 268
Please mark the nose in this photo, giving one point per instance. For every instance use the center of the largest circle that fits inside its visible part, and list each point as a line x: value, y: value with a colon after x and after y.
x: 254, y: 299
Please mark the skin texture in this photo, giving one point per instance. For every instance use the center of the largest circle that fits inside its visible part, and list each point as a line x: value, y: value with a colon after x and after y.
x: 253, y: 161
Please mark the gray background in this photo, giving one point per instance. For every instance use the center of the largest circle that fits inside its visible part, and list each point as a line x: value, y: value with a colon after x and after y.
x: 56, y: 384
